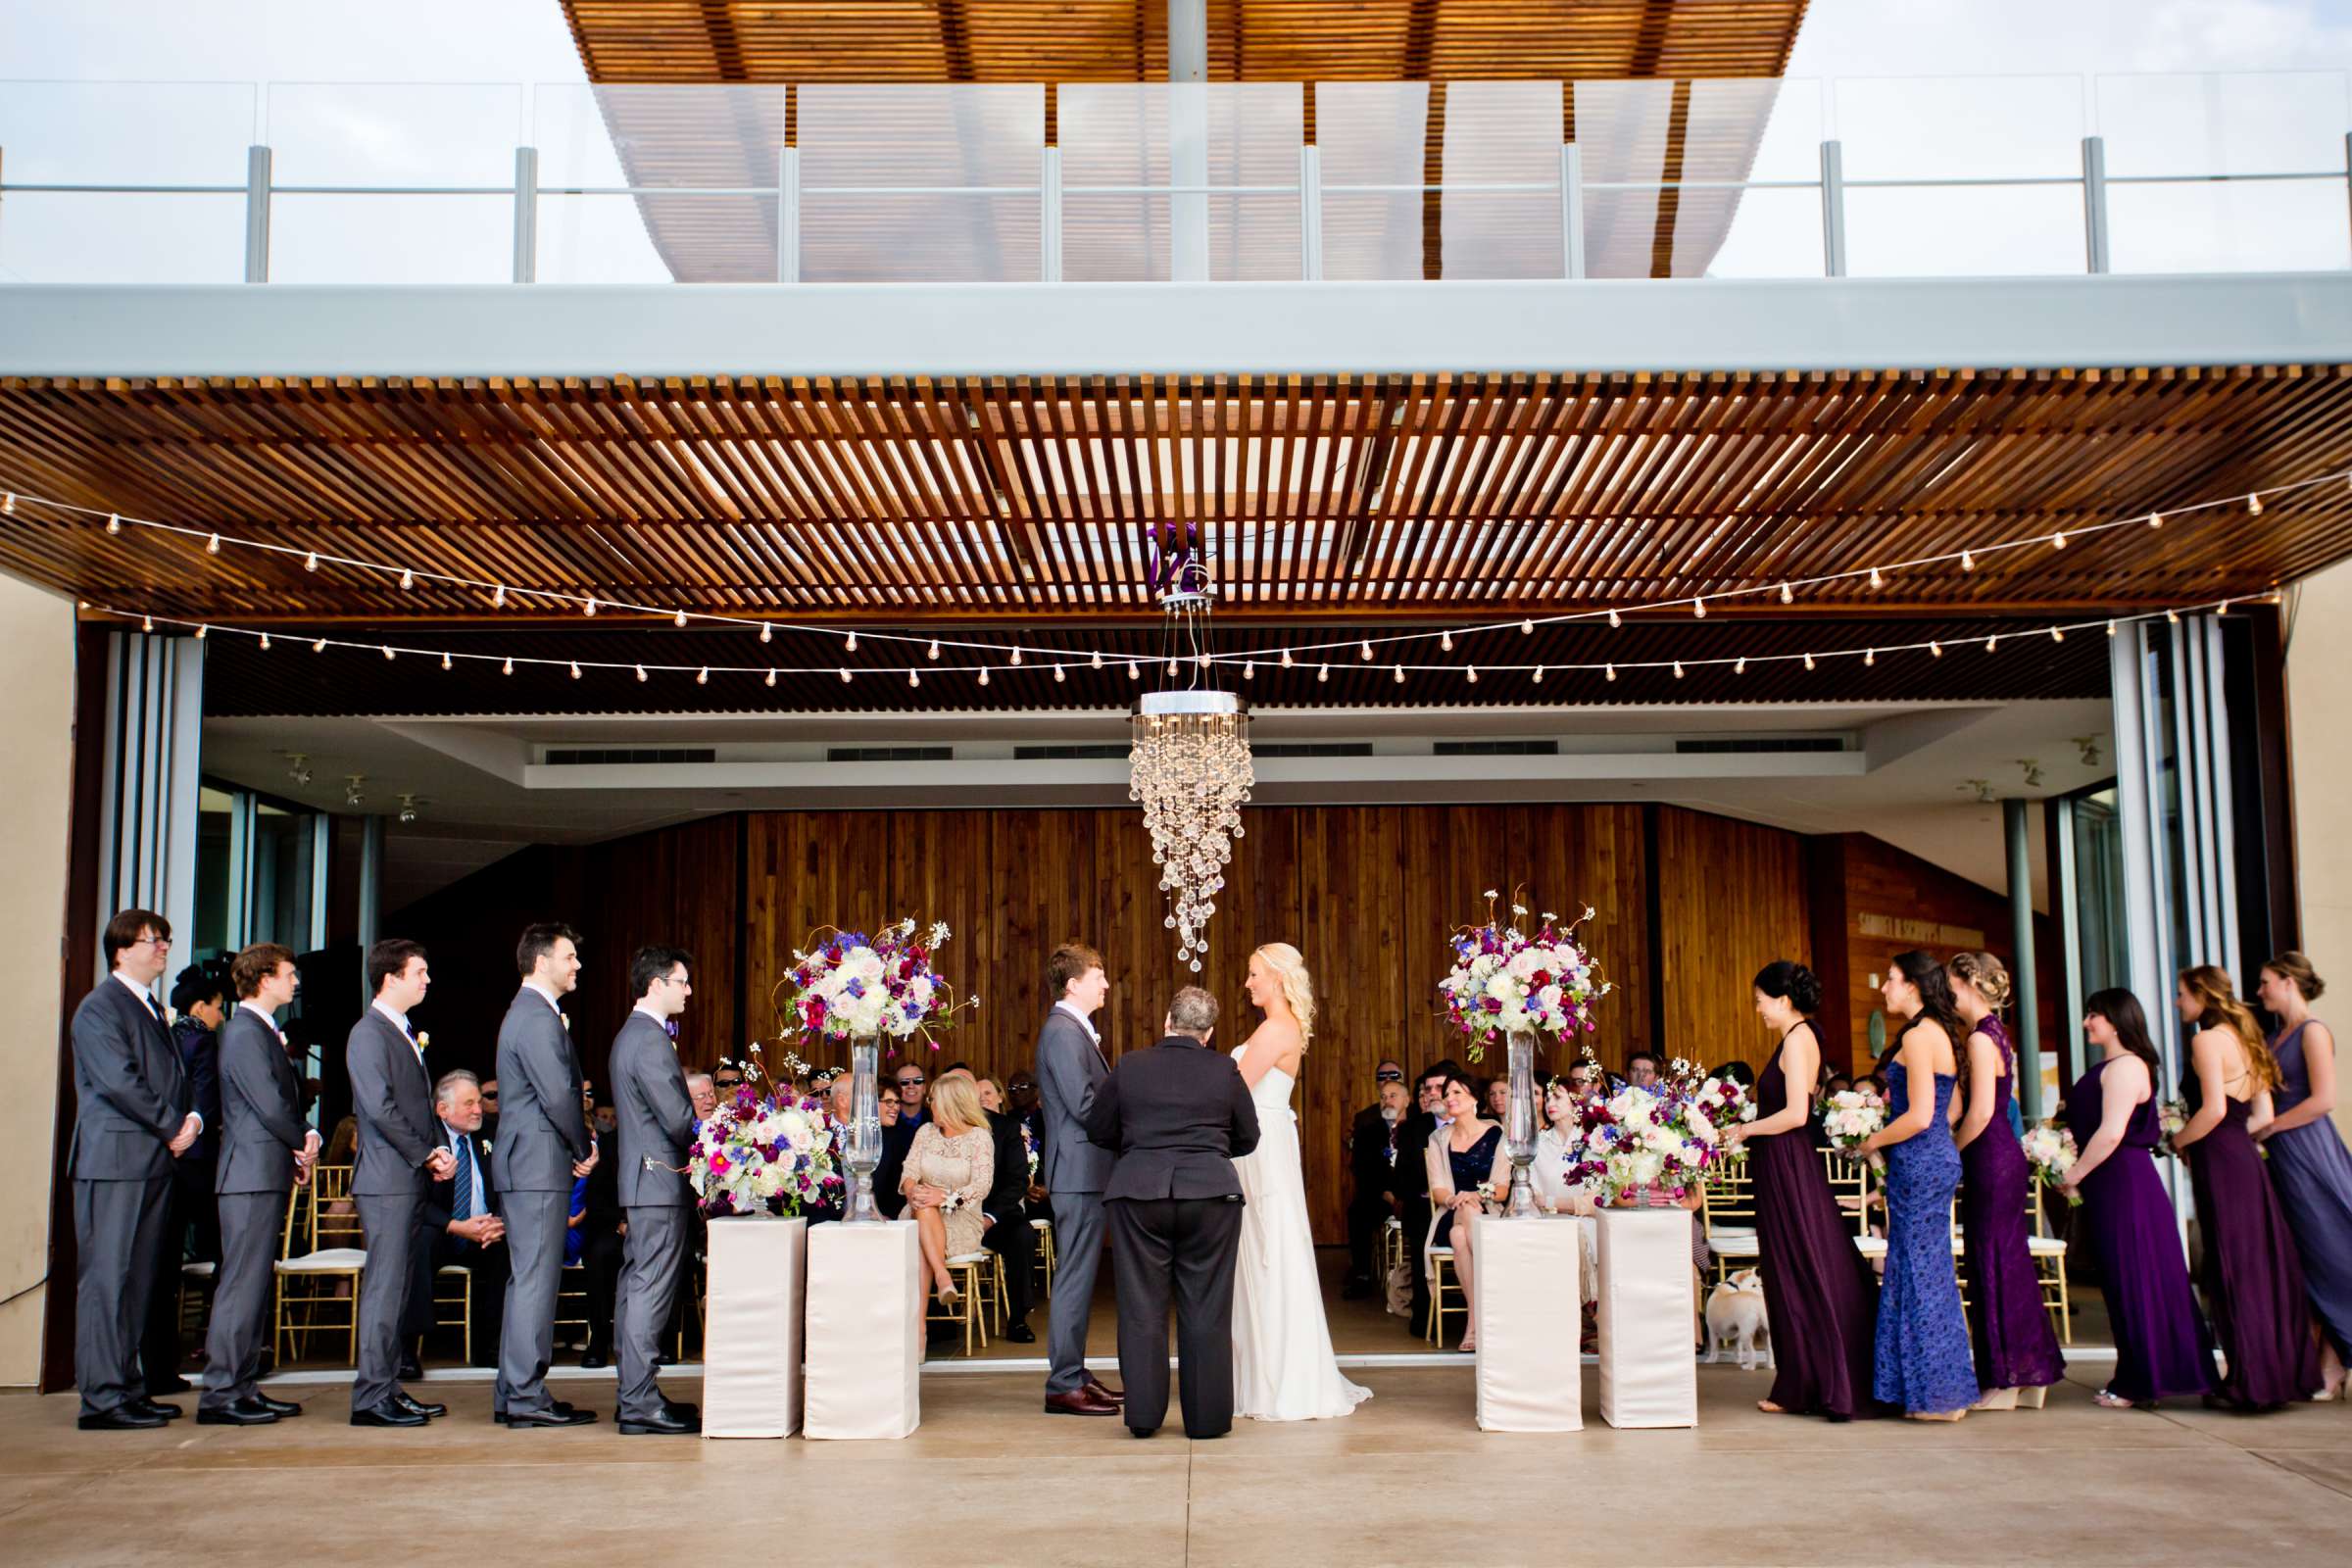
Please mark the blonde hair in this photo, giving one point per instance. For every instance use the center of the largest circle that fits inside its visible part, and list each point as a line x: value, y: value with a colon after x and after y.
x: 2218, y: 999
x: 1298, y: 989
x: 1985, y: 974
x: 956, y: 1097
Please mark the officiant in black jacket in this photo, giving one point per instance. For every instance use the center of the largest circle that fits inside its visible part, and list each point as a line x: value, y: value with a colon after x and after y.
x: 1177, y: 1116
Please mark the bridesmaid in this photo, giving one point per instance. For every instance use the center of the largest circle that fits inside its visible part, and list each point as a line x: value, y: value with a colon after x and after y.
x: 2160, y: 1345
x: 2016, y: 1351
x: 2309, y: 1164
x: 2252, y: 1277
x: 1818, y: 1290
x: 1923, y: 1359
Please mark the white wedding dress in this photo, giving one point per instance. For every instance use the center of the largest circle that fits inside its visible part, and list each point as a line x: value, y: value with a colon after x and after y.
x: 1283, y: 1367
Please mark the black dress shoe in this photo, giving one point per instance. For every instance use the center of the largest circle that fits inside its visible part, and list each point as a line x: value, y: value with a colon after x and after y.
x: 169, y: 1413
x: 412, y: 1370
x: 595, y: 1358
x: 243, y: 1414
x: 1022, y: 1334
x: 418, y: 1406
x: 683, y: 1410
x: 499, y: 1417
x: 563, y: 1416
x: 666, y: 1425
x: 387, y: 1414
x: 121, y: 1418
x: 280, y: 1408
x: 174, y: 1384
x: 665, y: 1359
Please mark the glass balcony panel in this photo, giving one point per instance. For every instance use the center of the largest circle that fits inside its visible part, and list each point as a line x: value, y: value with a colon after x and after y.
x: 1127, y: 135
x: 127, y: 132
x: 874, y: 160
x: 1372, y: 133
x: 1965, y: 232
x: 2206, y: 228
x: 1665, y: 165
x: 1504, y: 133
x: 51, y: 237
x: 693, y: 137
x: 2216, y: 123
x: 1959, y: 128
x: 618, y: 239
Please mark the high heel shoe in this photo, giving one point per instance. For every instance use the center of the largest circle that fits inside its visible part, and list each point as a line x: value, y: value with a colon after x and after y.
x: 1998, y: 1399
x: 1934, y: 1415
x: 2033, y: 1398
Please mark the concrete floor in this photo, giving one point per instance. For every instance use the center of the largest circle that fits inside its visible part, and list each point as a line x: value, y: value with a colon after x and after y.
x: 989, y: 1479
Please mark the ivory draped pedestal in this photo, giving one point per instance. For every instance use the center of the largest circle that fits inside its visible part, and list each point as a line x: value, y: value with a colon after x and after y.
x: 1529, y: 1316
x: 865, y: 1336
x: 1648, y: 1373
x: 757, y: 1277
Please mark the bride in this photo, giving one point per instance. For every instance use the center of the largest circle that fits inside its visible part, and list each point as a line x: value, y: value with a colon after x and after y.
x: 1283, y: 1368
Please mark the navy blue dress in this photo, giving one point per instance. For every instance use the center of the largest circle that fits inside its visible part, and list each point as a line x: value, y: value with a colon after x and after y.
x: 1470, y: 1166
x: 1923, y: 1358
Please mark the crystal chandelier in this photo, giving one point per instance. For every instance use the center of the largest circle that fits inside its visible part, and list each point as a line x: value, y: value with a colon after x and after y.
x: 1190, y: 768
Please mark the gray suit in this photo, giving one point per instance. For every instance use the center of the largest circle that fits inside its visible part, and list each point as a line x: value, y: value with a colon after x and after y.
x: 392, y: 1098
x: 657, y: 1128
x: 132, y: 1097
x: 541, y: 1135
x: 260, y: 1130
x: 1070, y: 1069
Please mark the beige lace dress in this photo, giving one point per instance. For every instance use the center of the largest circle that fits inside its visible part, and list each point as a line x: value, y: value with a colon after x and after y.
x: 965, y: 1165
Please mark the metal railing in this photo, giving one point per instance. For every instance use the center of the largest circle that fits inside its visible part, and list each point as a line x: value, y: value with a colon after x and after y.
x: 1178, y: 243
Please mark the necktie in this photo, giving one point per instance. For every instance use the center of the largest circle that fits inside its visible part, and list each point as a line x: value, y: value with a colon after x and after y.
x: 461, y: 1205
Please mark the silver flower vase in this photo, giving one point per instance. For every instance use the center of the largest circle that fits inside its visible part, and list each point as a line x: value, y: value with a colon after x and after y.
x: 1519, y: 1127
x: 865, y: 1129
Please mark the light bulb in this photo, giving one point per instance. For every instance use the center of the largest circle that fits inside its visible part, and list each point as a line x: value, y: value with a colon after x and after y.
x: 679, y: 618
x: 1968, y: 562
x: 1677, y: 670
x: 1286, y: 659
x: 1017, y: 655
x: 1527, y: 629
x: 1870, y: 657
x: 2056, y: 635
x: 2173, y: 615
x: 1740, y: 665
x: 641, y: 672
x: 446, y: 662
x: 1877, y: 582
x: 1610, y: 670
x: 1699, y: 609
x: 146, y: 623
x: 590, y: 607
x: 767, y: 633
x: 1473, y: 674
x: 506, y: 668
x: 1059, y: 676
x: 2111, y: 628
x: 1786, y: 596
x: 264, y: 642
x: 319, y: 647
x: 1171, y: 666
x: 575, y: 669
x: 702, y: 676
x: 2058, y: 541
x: 1808, y: 660
x: 1324, y: 673
x: 1539, y: 675
x: 8, y: 504
x: 932, y: 652
x: 1614, y: 620
x: 848, y: 644
x: 983, y: 674
x: 310, y: 562
x: 1134, y: 672
x: 212, y: 546
x: 408, y: 578
x: 1249, y: 669
x: 1399, y: 675
x: 1936, y: 650
x: 1446, y: 641
x: 200, y: 631
x: 914, y: 677
x: 498, y: 597
x: 1991, y: 644
x: 2155, y: 519
x: 1367, y: 650
x: 2254, y: 506
x: 388, y: 652
x: 1097, y: 660
x: 113, y: 522
x: 772, y: 677
x: 845, y: 674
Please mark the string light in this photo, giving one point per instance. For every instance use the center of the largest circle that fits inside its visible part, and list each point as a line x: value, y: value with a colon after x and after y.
x: 1473, y: 671
x: 1248, y: 670
x: 1698, y: 609
x: 1286, y: 659
x: 146, y: 623
x: 1991, y: 644
x: 388, y: 655
x: 2111, y: 628
x: 9, y: 506
x: 1134, y: 672
x: 1788, y: 597
x: 1936, y: 650
x: 506, y: 668
x: 1367, y: 652
x: 1399, y: 675
x: 200, y: 631
x: 641, y: 672
x: 1677, y: 670
x: 408, y: 579
x: 212, y: 546
x: 2155, y: 519
x: 1527, y: 629
x: 2058, y: 540
x: 1095, y: 661
x: 1171, y: 666
x: 767, y: 633
x: 679, y: 618
x: 446, y: 662
x: 2056, y: 635
x: 1445, y: 641
x: 1539, y: 675
x: 848, y: 644
x: 1059, y: 676
x: 1870, y: 657
x: 575, y: 669
x: 1877, y: 582
x: 1017, y: 655
x: 772, y: 677
x: 265, y: 641
x: 1740, y: 665
x: 1323, y: 675
x: 845, y: 674
x: 2254, y: 504
x: 932, y: 652
x: 113, y: 522
x: 498, y: 597
x: 1808, y: 660
x: 590, y: 609
x: 2173, y: 615
x: 1968, y: 562
x: 1610, y: 670
x: 983, y: 674
x: 914, y: 677
x: 319, y: 647
x: 1614, y: 620
x: 702, y: 676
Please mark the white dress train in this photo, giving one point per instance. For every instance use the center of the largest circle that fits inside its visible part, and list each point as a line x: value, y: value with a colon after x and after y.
x: 1283, y: 1366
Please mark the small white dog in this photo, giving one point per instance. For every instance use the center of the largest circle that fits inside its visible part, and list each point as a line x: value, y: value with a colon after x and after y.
x: 1736, y: 1315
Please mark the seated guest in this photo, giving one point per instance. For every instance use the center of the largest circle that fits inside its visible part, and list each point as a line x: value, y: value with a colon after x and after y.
x: 1641, y: 1071
x: 490, y: 1110
x: 727, y: 1079
x: 1498, y: 1098
x: 991, y: 1097
x: 951, y: 1168
x: 886, y: 1106
x: 703, y: 1093
x: 1553, y: 1192
x: 1461, y: 1155
x: 1428, y: 1116
x: 1008, y: 1233
x: 1022, y: 1099
x: 910, y: 1081
x: 840, y: 1096
x: 1379, y: 1196
x: 461, y: 1219
x: 897, y: 1136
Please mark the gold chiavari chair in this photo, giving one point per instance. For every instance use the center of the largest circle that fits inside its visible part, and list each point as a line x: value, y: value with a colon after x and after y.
x: 1045, y: 1249
x: 2049, y: 1264
x: 572, y: 1302
x: 1445, y: 1282
x: 1850, y: 1184
x: 969, y: 1309
x: 333, y: 1254
x: 1727, y: 1212
x: 459, y: 1304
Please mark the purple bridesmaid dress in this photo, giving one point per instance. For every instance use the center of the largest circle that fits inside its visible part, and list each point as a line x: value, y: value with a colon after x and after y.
x: 2252, y: 1277
x: 1818, y: 1292
x: 2311, y: 1172
x: 2162, y: 1348
x: 2008, y: 1328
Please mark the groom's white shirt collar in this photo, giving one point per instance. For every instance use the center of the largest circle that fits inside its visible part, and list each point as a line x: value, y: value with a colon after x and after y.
x: 1079, y: 1013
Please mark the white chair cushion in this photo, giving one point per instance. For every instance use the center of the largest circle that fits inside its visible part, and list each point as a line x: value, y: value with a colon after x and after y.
x: 1731, y: 1232
x: 1733, y: 1246
x: 961, y: 1259
x: 197, y: 1270
x: 2046, y: 1246
x: 1870, y: 1245
x: 1041, y: 1224
x: 331, y: 1260
x: 453, y: 1268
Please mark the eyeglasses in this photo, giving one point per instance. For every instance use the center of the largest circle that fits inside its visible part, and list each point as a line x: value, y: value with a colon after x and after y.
x: 1390, y: 1075
x: 159, y: 944
x: 916, y: 1082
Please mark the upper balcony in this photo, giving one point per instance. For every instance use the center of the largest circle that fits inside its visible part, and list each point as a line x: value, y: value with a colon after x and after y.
x: 1144, y: 182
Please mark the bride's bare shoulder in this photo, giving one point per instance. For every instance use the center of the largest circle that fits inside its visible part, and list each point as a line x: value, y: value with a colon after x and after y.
x: 1277, y: 1039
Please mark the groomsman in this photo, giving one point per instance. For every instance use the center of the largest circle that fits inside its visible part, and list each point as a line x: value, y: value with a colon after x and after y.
x: 543, y: 1145
x: 1070, y: 1069
x: 266, y: 1150
x: 400, y: 1155
x: 657, y: 1128
x: 135, y: 1116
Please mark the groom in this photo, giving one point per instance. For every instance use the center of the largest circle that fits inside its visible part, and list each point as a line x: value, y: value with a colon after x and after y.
x: 1070, y: 1071
x: 1178, y: 1115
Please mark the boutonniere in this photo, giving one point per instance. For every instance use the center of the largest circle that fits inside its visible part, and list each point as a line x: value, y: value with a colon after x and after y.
x: 424, y: 1039
x: 485, y: 1146
x: 280, y: 1033
x: 566, y: 1017
x: 951, y: 1204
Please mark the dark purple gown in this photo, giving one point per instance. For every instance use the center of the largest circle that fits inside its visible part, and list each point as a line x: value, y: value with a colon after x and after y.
x: 2251, y: 1275
x: 2162, y: 1348
x: 1818, y: 1290
x: 2008, y: 1328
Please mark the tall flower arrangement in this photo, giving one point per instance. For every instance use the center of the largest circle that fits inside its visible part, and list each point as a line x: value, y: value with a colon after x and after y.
x: 1507, y: 980
x: 764, y: 1149
x: 850, y: 986
x: 1663, y: 1139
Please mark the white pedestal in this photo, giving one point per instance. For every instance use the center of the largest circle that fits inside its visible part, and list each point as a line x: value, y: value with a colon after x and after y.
x: 1530, y: 1368
x: 1649, y: 1375
x: 865, y: 1344
x: 758, y: 1270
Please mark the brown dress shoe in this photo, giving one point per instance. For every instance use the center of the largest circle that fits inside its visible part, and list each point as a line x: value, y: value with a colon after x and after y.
x: 1081, y: 1400
x: 1103, y: 1390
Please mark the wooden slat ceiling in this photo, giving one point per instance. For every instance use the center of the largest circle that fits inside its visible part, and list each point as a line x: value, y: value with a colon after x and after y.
x: 243, y: 681
x: 684, y: 140
x: 1025, y: 502
x: 1126, y: 40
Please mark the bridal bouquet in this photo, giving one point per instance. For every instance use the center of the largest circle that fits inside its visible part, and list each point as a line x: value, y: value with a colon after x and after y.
x: 1661, y: 1140
x: 1849, y: 1117
x: 763, y: 1154
x: 1506, y: 981
x: 851, y: 986
x: 2050, y: 1151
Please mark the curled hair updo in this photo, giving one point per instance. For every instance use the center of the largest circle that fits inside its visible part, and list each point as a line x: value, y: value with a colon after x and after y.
x: 1783, y: 978
x: 1985, y: 975
x: 2296, y: 970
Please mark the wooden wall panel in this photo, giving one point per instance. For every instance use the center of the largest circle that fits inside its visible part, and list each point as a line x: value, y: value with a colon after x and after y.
x: 1732, y: 898
x: 804, y: 870
x: 674, y: 886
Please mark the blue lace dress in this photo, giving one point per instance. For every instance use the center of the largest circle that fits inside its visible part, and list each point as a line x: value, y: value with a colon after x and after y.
x: 1923, y: 1361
